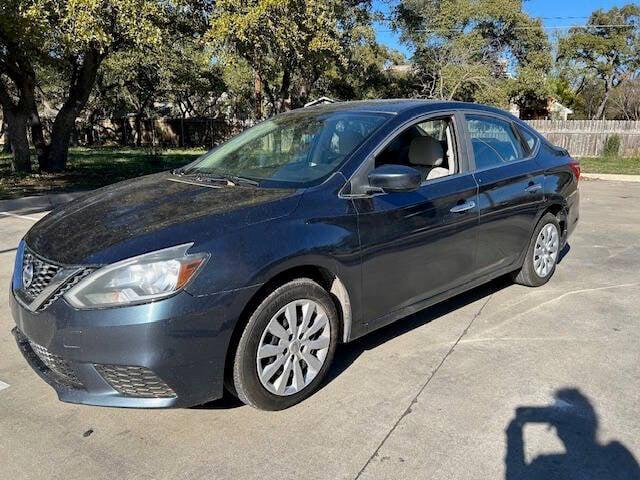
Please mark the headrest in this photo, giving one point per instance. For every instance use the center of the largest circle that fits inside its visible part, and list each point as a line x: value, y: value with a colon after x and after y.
x: 426, y: 151
x: 348, y: 141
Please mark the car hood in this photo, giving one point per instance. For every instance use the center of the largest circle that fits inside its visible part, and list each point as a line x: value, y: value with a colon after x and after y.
x: 145, y: 214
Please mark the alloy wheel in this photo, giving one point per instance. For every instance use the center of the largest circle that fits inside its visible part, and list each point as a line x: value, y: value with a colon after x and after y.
x: 545, y: 253
x: 293, y: 347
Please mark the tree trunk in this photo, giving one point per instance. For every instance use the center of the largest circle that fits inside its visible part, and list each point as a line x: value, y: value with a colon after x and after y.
x: 83, y: 79
x: 4, y: 130
x: 138, y: 129
x: 28, y: 100
x: 15, y: 117
x: 56, y: 153
x: 17, y: 131
x: 603, y: 103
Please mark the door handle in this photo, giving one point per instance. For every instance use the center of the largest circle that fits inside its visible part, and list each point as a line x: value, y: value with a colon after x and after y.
x: 533, y: 188
x: 463, y: 207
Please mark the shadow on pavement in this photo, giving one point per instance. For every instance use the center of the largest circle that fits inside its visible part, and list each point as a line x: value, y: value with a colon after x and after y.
x: 227, y: 402
x: 564, y: 252
x: 576, y: 424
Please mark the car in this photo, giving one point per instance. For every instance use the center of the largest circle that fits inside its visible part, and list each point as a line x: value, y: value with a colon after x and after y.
x: 244, y: 270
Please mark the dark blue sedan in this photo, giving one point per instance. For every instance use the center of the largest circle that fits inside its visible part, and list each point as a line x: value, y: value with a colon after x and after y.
x: 245, y: 269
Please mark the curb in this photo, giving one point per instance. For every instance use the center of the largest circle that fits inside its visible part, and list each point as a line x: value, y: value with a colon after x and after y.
x: 37, y: 203
x: 611, y: 177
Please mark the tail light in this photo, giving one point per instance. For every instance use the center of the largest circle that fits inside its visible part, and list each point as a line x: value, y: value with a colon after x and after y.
x: 575, y: 168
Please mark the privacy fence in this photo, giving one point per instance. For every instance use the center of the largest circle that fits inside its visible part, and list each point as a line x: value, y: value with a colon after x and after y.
x: 587, y: 138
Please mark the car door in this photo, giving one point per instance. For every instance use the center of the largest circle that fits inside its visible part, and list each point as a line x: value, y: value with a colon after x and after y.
x: 510, y: 190
x: 415, y: 245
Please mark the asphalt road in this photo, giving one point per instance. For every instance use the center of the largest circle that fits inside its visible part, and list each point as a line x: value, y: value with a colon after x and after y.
x: 433, y: 396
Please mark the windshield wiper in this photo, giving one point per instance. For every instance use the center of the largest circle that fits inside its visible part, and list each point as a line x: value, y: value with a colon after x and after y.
x: 242, y: 180
x: 233, y: 180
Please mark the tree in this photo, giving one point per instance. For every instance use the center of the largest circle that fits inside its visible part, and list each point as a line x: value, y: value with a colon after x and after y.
x: 611, y: 52
x: 489, y: 51
x: 73, y: 37
x: 625, y: 100
x: 289, y: 44
x: 368, y: 72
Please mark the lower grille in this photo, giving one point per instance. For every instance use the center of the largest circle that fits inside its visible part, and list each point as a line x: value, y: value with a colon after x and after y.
x: 135, y: 381
x: 60, y: 368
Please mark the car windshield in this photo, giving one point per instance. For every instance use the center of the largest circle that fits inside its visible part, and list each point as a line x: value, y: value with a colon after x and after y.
x: 297, y: 149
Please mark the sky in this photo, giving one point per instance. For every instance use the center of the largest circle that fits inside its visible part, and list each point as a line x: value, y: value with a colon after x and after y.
x: 535, y: 8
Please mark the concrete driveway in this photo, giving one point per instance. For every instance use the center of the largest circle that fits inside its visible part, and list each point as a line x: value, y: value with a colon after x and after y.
x: 433, y: 396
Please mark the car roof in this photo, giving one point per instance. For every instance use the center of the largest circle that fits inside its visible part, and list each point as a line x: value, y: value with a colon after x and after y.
x: 399, y: 105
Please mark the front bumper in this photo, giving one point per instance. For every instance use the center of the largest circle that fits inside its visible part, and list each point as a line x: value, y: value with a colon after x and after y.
x: 169, y: 353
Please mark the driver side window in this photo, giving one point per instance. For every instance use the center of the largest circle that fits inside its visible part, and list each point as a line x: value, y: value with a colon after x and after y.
x: 428, y: 147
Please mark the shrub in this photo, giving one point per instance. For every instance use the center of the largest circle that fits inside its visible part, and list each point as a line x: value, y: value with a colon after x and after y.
x: 612, y: 146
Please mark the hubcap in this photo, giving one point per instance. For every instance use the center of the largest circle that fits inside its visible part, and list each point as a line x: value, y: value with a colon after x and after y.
x: 546, y: 250
x: 293, y: 347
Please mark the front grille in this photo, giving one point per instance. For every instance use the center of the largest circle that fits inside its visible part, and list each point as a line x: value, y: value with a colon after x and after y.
x: 60, y: 368
x: 135, y: 381
x: 71, y: 282
x: 43, y: 272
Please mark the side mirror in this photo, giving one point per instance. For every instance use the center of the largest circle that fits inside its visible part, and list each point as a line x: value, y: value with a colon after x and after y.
x: 395, y: 178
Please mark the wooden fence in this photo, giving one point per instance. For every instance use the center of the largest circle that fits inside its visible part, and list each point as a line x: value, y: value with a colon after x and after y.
x: 586, y: 138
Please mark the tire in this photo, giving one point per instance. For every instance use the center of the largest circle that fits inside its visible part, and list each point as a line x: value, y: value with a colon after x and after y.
x: 529, y: 275
x: 256, y: 381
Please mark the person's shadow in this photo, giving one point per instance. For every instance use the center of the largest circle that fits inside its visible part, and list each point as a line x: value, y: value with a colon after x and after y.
x: 576, y: 423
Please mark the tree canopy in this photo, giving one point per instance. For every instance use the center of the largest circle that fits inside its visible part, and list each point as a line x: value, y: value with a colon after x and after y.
x: 608, y: 49
x: 70, y: 64
x: 288, y: 44
x: 479, y: 50
x: 71, y: 39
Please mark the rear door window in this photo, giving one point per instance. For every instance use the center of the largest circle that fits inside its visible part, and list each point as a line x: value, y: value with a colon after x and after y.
x: 494, y: 141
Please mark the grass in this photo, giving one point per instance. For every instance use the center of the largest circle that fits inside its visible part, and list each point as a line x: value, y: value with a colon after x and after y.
x: 90, y: 168
x: 627, y: 166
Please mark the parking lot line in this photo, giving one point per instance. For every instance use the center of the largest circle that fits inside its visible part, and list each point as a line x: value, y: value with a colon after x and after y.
x: 26, y: 217
x: 3, y: 385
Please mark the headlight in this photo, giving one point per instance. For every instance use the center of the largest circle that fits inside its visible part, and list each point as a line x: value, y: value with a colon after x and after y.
x: 137, y: 280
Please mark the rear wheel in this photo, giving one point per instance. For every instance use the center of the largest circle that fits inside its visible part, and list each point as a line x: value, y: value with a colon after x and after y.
x: 542, y: 254
x: 286, y: 347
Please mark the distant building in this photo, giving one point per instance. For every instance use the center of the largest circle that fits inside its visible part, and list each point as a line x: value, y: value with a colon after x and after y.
x: 400, y: 70
x: 552, y: 110
x: 557, y: 111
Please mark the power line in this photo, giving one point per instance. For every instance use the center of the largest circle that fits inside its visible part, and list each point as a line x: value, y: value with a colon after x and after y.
x: 562, y: 27
x: 390, y: 19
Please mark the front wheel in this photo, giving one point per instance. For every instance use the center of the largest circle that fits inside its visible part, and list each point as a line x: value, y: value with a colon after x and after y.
x: 287, y: 346
x: 542, y: 255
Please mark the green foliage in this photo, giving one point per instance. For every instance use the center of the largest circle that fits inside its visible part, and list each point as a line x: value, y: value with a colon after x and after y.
x: 288, y: 44
x: 611, y: 146
x: 609, y: 54
x: 59, y: 29
x: 487, y: 50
